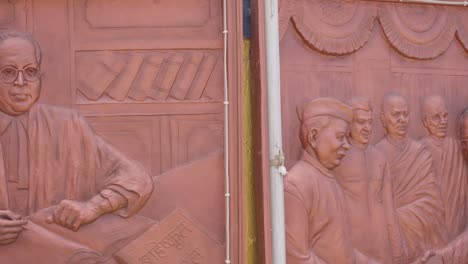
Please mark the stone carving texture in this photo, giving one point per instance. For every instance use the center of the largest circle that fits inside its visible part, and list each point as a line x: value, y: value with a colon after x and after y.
x: 56, y: 172
x: 147, y: 13
x: 364, y: 176
x: 418, y: 31
x: 335, y: 27
x: 427, y: 182
x: 462, y: 27
x: 7, y: 12
x: 342, y: 26
x: 143, y: 77
x: 147, y: 82
x: 175, y: 240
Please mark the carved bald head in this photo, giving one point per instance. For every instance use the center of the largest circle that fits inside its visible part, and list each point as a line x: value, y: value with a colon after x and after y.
x: 324, y: 126
x: 20, y: 82
x: 395, y: 115
x: 361, y: 126
x: 463, y: 130
x: 435, y: 116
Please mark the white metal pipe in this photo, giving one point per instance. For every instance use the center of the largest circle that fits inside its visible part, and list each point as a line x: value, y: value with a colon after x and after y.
x: 227, y: 194
x: 427, y: 2
x: 276, y: 158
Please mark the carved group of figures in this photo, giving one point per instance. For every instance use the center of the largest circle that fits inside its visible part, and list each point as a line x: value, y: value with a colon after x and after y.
x: 399, y: 201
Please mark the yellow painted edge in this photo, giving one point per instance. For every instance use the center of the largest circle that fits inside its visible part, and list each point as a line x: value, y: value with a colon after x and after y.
x: 250, y: 213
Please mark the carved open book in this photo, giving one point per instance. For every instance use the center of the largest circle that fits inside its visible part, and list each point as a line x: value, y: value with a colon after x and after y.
x: 93, y: 243
x: 113, y: 239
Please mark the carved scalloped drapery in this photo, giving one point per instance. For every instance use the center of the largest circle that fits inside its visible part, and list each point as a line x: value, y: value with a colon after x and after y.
x: 334, y: 26
x: 418, y: 31
x: 461, y: 18
x: 287, y: 8
x: 341, y: 27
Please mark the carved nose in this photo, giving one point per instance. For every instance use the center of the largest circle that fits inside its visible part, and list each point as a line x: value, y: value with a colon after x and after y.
x: 345, y: 144
x: 20, y: 79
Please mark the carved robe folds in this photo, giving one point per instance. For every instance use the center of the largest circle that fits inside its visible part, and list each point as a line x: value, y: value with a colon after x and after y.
x: 417, y: 197
x: 451, y: 173
x: 365, y: 179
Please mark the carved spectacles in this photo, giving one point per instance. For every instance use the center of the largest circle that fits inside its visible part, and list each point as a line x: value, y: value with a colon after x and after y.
x: 9, y: 74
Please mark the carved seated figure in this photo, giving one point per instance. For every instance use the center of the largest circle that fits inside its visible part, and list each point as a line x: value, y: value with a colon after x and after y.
x: 50, y: 156
x: 419, y: 208
x: 317, y: 230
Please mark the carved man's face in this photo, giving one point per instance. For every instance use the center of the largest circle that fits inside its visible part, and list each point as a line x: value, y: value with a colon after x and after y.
x: 18, y: 97
x: 361, y: 127
x: 436, y: 119
x: 395, y: 117
x: 330, y: 145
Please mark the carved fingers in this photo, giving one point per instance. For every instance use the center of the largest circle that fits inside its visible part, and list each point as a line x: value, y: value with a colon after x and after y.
x: 73, y: 214
x: 11, y: 226
x: 429, y: 257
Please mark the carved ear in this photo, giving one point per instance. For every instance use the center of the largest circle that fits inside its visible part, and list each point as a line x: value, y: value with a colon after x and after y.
x: 312, y: 138
x: 424, y: 121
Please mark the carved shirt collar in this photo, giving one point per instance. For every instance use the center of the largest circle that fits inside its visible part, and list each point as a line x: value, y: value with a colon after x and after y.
x: 357, y: 144
x: 5, y: 120
x: 399, y: 144
x: 317, y: 165
x: 436, y: 141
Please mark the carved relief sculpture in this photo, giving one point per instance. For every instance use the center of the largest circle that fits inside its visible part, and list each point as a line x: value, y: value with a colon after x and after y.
x: 416, y: 193
x: 365, y: 178
x: 457, y: 251
x: 316, y: 224
x: 450, y: 167
x: 51, y: 159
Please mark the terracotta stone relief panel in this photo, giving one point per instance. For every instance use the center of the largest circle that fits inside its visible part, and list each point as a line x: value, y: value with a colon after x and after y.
x: 373, y: 71
x: 371, y: 134
x: 417, y: 31
x: 130, y: 119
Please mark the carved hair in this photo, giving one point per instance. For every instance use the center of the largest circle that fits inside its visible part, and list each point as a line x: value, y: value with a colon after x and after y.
x: 428, y: 102
x: 25, y: 36
x: 387, y: 97
x: 317, y: 122
x: 360, y: 102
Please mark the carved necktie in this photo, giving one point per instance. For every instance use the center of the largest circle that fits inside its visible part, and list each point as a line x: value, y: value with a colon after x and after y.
x: 17, y: 166
x: 19, y: 162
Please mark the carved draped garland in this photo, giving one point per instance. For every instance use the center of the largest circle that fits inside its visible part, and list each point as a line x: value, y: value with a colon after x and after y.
x: 343, y: 26
x: 334, y: 27
x: 461, y: 18
x: 417, y: 31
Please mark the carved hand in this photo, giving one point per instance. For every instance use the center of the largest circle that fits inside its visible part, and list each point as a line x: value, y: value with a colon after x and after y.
x: 429, y: 257
x: 11, y: 225
x: 73, y: 214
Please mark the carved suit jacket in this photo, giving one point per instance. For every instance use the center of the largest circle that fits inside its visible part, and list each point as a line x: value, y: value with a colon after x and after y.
x: 67, y: 160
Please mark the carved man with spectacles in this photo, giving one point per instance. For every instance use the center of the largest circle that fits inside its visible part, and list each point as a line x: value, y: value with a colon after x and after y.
x: 50, y: 156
